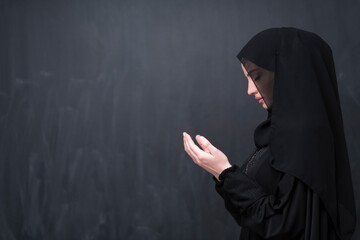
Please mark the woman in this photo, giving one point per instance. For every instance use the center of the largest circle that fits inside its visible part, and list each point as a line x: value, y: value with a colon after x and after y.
x: 296, y: 184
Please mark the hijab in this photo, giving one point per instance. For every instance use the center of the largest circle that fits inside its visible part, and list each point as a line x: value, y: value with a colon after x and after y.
x: 304, y: 127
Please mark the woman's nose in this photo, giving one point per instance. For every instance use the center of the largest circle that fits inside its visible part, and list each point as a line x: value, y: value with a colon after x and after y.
x: 251, y: 88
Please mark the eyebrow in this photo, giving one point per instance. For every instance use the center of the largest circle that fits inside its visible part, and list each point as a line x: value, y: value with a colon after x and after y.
x: 252, y: 70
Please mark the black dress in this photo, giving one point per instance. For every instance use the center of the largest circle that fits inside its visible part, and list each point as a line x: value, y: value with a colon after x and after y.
x: 269, y: 204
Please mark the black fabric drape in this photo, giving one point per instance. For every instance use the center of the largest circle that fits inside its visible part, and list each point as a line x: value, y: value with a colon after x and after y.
x: 269, y: 204
x: 304, y: 129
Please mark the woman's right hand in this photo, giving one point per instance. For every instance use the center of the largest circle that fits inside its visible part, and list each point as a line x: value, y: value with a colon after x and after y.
x: 210, y: 158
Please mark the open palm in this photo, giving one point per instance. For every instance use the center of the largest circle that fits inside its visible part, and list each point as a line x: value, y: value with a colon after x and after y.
x: 209, y: 157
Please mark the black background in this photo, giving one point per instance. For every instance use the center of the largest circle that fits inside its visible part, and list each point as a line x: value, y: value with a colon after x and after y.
x: 95, y: 95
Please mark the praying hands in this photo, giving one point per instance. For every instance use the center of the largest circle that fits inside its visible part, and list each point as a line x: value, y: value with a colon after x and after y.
x: 209, y: 158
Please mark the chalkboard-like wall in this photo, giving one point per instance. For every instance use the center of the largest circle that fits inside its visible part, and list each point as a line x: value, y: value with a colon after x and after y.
x: 95, y: 95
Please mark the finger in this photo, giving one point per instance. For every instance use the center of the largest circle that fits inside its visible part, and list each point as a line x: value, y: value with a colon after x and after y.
x: 190, y: 152
x: 200, y: 143
x: 193, y: 146
x: 187, y: 148
x: 204, y: 142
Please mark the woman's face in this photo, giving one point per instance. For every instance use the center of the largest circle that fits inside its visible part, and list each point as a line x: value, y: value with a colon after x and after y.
x: 252, y: 90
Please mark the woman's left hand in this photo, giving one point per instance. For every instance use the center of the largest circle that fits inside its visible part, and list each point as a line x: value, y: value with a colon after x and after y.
x: 210, y: 158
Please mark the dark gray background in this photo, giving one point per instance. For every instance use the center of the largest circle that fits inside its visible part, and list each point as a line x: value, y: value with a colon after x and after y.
x: 95, y: 95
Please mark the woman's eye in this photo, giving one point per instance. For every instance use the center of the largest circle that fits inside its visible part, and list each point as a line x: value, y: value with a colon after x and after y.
x: 255, y: 76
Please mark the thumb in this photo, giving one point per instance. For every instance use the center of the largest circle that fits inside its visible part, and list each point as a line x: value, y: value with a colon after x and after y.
x: 206, y: 144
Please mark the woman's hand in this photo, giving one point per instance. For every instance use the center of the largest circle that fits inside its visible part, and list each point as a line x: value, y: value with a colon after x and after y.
x: 210, y: 158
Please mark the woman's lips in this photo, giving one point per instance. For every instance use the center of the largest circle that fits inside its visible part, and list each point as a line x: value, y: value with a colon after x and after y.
x: 261, y: 100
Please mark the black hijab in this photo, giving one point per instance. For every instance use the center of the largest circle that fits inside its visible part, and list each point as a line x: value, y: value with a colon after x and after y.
x: 304, y: 127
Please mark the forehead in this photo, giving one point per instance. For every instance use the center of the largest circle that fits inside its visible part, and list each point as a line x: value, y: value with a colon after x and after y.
x: 248, y: 66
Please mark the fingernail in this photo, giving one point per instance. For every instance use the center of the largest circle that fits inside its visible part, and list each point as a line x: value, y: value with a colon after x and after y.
x: 202, y: 139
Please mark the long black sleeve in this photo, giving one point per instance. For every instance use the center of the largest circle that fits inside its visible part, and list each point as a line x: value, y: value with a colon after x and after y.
x: 280, y: 215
